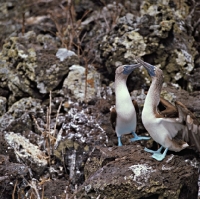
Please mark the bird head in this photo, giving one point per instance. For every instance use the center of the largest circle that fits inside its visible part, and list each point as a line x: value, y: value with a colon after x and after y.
x: 152, y: 70
x: 126, y: 69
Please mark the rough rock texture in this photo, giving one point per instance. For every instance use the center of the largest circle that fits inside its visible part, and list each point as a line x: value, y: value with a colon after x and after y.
x: 76, y: 82
x: 74, y: 134
x: 129, y: 172
x: 3, y: 103
x: 79, y: 127
x: 18, y: 117
x: 10, y: 173
x: 193, y: 79
x: 162, y: 34
x: 82, y: 130
x: 27, y: 152
x: 29, y: 66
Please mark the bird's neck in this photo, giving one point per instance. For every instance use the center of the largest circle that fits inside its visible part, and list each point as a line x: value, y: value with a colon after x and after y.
x: 153, y: 95
x: 121, y: 92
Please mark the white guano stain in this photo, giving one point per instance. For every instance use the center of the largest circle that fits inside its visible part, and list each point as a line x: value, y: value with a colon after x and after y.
x: 141, y: 172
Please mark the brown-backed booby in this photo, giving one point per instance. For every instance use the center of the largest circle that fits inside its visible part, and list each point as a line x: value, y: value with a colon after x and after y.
x: 123, y: 117
x: 171, y: 133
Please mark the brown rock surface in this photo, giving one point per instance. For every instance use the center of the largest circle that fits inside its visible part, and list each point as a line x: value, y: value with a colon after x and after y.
x: 129, y: 172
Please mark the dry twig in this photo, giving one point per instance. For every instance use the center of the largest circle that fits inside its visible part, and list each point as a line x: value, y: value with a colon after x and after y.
x: 13, y: 193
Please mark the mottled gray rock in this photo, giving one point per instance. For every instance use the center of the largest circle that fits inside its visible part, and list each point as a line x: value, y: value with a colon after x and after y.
x: 10, y: 173
x: 84, y: 127
x: 29, y: 66
x: 193, y: 79
x: 76, y: 81
x: 26, y: 69
x: 159, y: 34
x: 3, y: 102
x: 63, y: 53
x: 27, y: 152
x: 18, y: 117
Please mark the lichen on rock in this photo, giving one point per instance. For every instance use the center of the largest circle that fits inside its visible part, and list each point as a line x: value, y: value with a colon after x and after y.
x: 159, y: 35
x: 26, y: 151
x: 76, y: 82
x: 30, y: 66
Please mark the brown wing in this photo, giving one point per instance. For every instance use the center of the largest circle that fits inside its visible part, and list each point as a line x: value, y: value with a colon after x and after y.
x: 166, y: 109
x: 170, y: 111
x: 113, y: 117
x: 191, y: 131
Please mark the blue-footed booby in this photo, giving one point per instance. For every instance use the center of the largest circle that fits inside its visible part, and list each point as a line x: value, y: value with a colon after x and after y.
x: 175, y: 128
x: 123, y: 116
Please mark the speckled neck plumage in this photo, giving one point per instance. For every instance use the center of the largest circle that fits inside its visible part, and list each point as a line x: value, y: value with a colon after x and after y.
x: 153, y: 95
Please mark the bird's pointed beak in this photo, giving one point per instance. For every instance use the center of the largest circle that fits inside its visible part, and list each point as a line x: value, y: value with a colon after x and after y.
x: 150, y: 68
x: 127, y: 69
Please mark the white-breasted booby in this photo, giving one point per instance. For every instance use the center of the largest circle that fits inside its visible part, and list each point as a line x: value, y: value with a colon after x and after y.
x: 173, y: 133
x: 123, y: 116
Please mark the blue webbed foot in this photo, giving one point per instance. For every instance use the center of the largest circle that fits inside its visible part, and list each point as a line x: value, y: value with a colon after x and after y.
x: 152, y: 151
x: 119, y: 141
x: 136, y: 137
x: 157, y: 154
